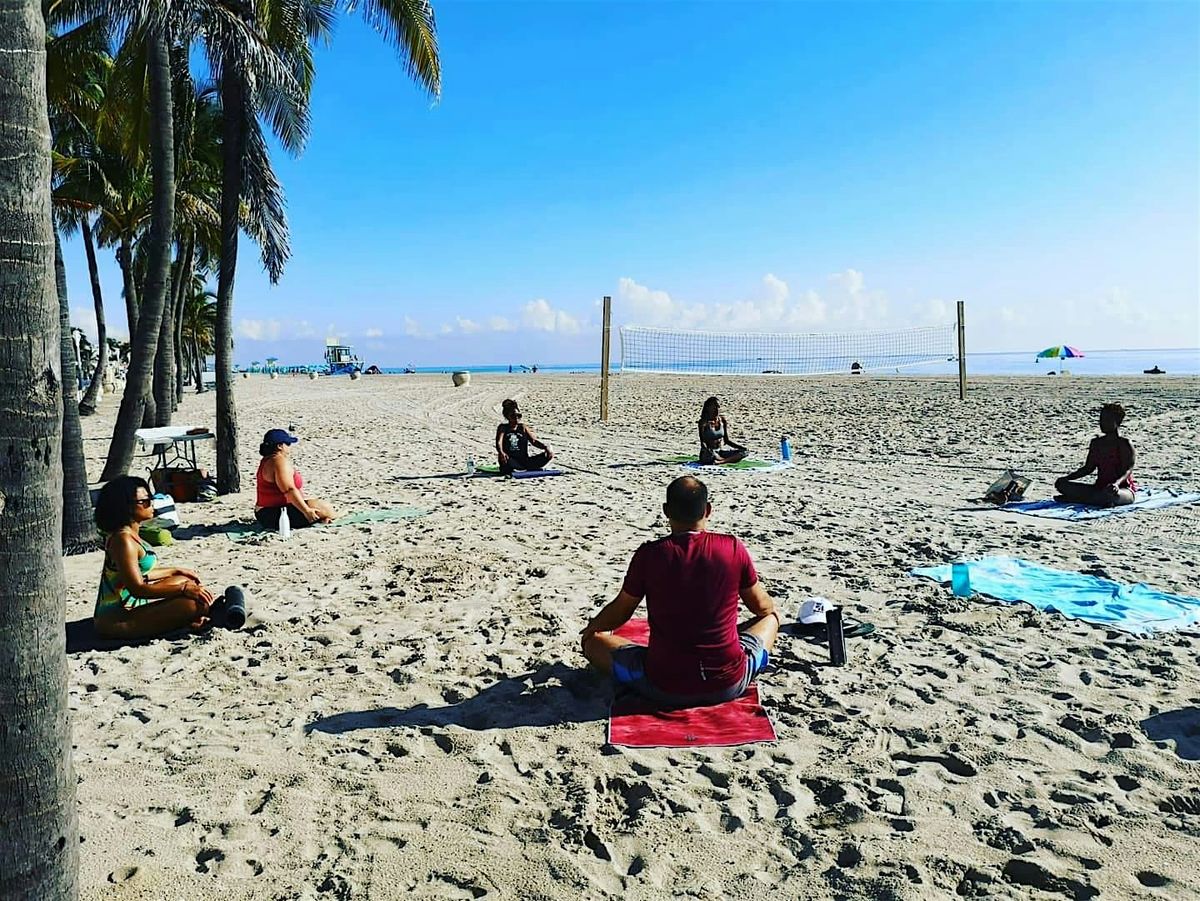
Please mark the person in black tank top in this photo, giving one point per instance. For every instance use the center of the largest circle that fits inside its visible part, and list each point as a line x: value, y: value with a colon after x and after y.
x: 1111, y: 457
x: 513, y: 440
x: 715, y: 444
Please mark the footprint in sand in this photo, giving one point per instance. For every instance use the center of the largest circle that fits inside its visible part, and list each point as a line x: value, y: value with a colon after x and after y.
x: 122, y: 874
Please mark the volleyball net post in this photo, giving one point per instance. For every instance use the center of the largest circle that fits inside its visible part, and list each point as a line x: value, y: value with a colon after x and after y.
x: 605, y: 349
x: 962, y: 352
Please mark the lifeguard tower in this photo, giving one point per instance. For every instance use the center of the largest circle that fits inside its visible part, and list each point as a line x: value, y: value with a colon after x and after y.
x: 340, y: 358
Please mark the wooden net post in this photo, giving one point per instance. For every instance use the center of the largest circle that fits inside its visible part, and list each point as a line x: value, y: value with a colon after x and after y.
x: 962, y: 354
x: 605, y: 346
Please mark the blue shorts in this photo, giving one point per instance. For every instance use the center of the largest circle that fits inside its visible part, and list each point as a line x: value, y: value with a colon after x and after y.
x: 629, y: 672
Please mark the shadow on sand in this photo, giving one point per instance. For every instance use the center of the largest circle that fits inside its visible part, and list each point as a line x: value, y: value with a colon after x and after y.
x: 549, y: 696
x: 479, y: 474
x: 82, y: 637
x: 1180, y: 726
x: 237, y: 527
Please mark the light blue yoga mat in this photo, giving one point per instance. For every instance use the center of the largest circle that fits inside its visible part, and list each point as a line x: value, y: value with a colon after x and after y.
x: 1147, y: 499
x: 243, y: 531
x: 1134, y: 608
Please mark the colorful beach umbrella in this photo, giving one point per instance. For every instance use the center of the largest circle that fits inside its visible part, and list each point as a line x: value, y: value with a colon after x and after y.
x: 1060, y: 351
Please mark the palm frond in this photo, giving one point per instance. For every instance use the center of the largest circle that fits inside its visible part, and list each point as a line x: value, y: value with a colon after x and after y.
x: 409, y: 26
x: 263, y: 208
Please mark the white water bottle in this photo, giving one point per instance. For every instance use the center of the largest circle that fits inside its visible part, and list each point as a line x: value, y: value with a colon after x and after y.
x: 285, y: 524
x: 470, y: 467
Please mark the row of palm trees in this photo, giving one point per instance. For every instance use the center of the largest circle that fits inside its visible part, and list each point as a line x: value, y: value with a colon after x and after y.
x: 140, y: 125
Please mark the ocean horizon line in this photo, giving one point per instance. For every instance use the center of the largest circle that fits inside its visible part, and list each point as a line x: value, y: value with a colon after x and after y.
x: 1128, y: 361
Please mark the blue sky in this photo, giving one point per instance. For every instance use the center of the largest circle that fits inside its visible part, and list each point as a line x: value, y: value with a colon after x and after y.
x: 763, y: 166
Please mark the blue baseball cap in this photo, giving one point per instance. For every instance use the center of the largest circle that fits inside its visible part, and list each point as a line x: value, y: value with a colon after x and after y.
x: 279, y: 436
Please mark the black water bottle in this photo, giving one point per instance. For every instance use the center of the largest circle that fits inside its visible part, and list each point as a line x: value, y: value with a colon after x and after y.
x: 234, y: 607
x: 837, y: 637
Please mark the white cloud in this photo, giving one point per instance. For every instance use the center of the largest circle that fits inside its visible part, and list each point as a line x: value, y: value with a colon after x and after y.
x: 856, y: 304
x: 1115, y: 306
x: 540, y: 316
x: 937, y: 312
x: 500, y: 324
x: 413, y: 329
x: 84, y: 318
x: 259, y: 329
x: 467, y: 326
x: 373, y: 333
x: 647, y: 306
x: 772, y: 308
x: 275, y: 329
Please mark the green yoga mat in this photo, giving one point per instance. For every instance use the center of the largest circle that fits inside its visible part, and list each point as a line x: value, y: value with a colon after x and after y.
x: 248, y: 530
x: 492, y: 471
x: 748, y: 463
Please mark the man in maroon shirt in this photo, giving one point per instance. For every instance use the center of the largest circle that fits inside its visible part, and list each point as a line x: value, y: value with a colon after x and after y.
x: 692, y: 581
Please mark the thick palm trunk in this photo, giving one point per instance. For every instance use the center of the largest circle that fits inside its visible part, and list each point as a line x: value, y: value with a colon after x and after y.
x: 87, y: 406
x: 234, y: 126
x: 129, y: 283
x: 79, y: 526
x: 39, y: 835
x: 162, y: 226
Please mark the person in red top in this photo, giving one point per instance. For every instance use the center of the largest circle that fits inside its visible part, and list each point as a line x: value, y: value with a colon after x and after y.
x: 279, y: 486
x: 1110, y: 456
x: 692, y: 580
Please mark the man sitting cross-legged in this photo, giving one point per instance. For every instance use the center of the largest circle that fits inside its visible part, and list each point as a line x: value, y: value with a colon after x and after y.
x: 691, y: 580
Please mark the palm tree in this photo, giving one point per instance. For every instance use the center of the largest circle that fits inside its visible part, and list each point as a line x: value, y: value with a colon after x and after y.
x: 198, y: 130
x: 199, y: 321
x: 250, y: 89
x: 87, y: 406
x: 144, y: 341
x: 71, y: 59
x: 79, y: 533
x: 39, y: 842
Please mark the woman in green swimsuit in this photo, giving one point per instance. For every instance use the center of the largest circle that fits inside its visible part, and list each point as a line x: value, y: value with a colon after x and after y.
x: 137, y: 597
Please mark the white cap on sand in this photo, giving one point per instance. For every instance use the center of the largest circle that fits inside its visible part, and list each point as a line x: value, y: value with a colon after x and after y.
x: 814, y: 609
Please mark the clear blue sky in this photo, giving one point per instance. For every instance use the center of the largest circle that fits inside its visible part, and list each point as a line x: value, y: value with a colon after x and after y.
x: 780, y: 166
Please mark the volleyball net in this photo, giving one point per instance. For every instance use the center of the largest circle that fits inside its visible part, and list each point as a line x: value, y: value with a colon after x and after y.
x: 665, y: 350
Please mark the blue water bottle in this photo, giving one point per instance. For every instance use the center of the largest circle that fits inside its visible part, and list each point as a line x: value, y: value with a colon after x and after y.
x: 785, y: 450
x: 960, y: 579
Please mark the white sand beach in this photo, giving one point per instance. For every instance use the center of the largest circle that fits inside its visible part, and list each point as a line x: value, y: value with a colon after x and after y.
x: 406, y: 714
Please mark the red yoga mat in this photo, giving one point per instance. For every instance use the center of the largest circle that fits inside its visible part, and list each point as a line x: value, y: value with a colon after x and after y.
x: 638, y: 722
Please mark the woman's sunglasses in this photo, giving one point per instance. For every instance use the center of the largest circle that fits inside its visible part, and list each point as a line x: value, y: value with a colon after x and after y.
x: 143, y: 502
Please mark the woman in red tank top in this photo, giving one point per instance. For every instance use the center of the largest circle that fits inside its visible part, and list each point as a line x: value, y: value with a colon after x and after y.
x: 279, y: 486
x: 1111, y: 457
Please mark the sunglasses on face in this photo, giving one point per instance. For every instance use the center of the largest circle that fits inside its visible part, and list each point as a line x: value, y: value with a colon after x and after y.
x: 143, y: 502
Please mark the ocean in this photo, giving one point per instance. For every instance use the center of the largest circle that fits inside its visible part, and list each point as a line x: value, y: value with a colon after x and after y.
x: 1177, y: 361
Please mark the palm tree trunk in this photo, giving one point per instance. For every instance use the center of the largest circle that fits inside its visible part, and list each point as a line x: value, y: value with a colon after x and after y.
x: 162, y: 226
x: 199, y: 359
x: 39, y: 833
x: 78, y: 527
x: 183, y: 282
x: 129, y: 283
x: 164, y: 358
x: 164, y: 365
x: 87, y: 406
x: 234, y: 133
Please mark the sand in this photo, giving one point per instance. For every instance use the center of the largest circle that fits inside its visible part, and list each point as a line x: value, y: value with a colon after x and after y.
x: 406, y: 715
